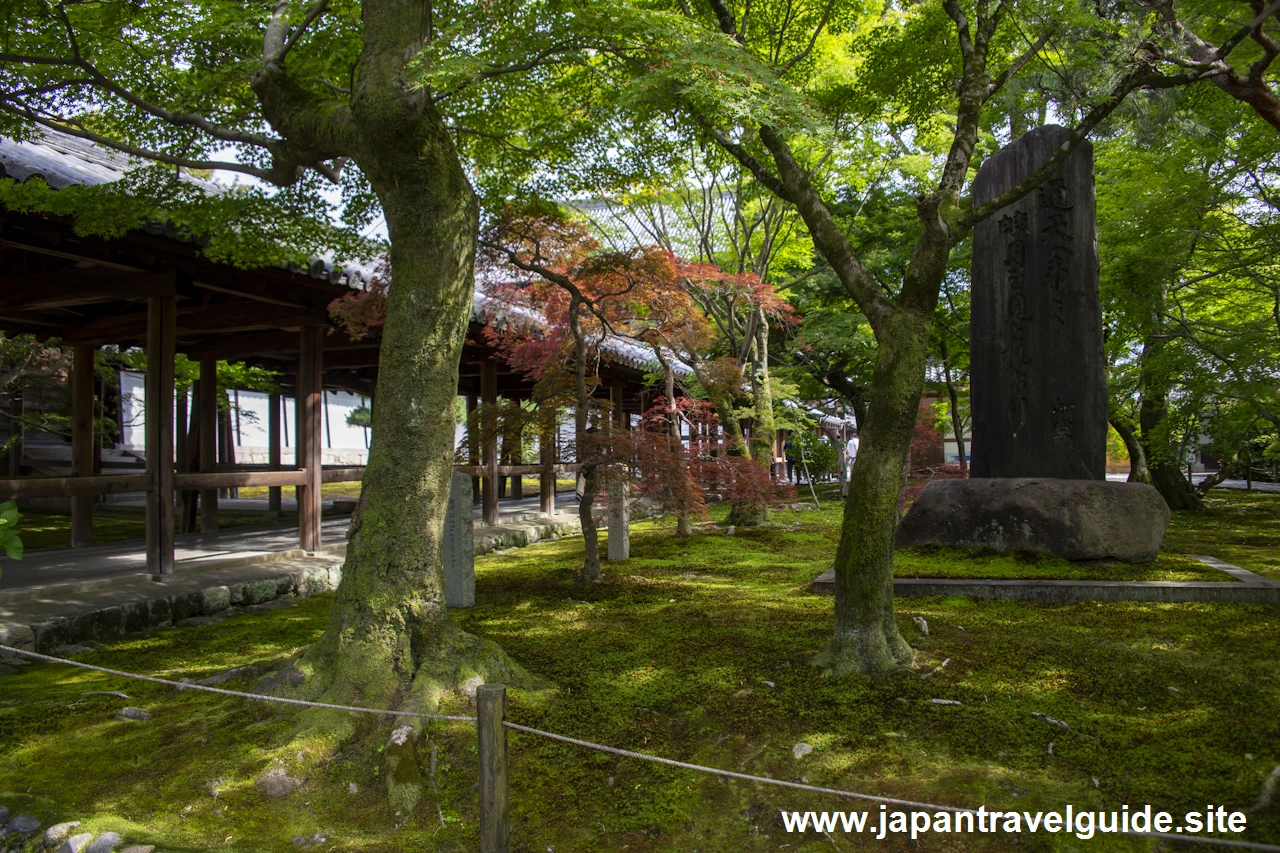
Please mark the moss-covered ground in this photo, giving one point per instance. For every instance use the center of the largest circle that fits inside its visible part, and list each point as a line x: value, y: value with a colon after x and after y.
x: 1240, y: 527
x: 53, y: 530
x: 695, y: 650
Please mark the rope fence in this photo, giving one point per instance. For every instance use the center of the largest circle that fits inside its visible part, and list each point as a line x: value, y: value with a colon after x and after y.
x: 491, y: 731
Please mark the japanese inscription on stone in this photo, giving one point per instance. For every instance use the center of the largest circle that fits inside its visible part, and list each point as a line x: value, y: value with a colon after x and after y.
x: 1038, y: 382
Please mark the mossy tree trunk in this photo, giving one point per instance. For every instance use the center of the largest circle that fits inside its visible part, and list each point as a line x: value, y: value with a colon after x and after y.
x: 684, y: 524
x: 388, y: 640
x: 591, y: 572
x: 1163, y: 465
x: 1138, y: 472
x: 763, y: 430
x: 866, y: 639
x: 866, y: 635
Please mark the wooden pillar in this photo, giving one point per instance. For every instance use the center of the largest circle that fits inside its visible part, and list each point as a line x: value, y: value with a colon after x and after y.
x: 82, y: 442
x: 273, y: 447
x: 517, y: 458
x: 489, y: 396
x: 182, y: 444
x: 207, y: 412
x: 615, y: 397
x: 310, y: 365
x: 162, y: 318
x: 473, y: 443
x: 547, y: 457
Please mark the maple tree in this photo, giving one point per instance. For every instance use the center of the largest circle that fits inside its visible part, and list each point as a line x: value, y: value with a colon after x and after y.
x: 578, y: 297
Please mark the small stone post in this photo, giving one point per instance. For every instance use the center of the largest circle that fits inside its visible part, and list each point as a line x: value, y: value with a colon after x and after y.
x: 619, y: 518
x: 459, y: 545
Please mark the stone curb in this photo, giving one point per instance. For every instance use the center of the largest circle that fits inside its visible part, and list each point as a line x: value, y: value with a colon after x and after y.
x: 32, y: 593
x: 161, y: 611
x: 1067, y: 591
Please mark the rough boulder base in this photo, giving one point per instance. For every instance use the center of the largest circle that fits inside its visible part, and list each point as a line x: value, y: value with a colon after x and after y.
x: 1073, y: 519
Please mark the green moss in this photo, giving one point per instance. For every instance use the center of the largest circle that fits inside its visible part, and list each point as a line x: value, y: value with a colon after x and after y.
x: 671, y: 657
x: 1240, y: 527
x: 53, y: 530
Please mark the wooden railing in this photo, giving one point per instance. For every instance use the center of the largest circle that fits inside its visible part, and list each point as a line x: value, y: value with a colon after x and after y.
x: 227, y: 477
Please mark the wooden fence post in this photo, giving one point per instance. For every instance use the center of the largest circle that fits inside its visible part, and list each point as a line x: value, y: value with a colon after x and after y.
x: 495, y: 800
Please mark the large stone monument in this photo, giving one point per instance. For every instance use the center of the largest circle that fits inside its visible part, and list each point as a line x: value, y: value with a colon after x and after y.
x: 458, y: 545
x: 1038, y: 380
x: 1038, y: 372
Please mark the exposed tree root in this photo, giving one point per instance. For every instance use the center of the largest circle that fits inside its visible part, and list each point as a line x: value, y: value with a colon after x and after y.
x: 875, y: 652
x: 454, y: 662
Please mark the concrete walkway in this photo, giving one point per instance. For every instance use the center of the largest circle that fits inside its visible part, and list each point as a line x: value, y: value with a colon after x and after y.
x: 1240, y: 485
x: 57, y: 598
x: 1248, y: 588
x: 45, y: 566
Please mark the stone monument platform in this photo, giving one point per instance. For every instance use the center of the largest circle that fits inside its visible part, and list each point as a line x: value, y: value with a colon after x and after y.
x: 1075, y: 519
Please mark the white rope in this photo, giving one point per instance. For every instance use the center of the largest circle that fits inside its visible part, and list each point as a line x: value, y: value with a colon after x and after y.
x: 684, y: 765
x: 183, y: 685
x: 613, y: 750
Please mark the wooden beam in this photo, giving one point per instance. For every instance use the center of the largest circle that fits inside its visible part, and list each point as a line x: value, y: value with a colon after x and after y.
x: 246, y: 293
x: 207, y: 411
x: 82, y: 443
x: 17, y: 488
x: 489, y: 397
x: 81, y: 286
x: 473, y: 443
x: 70, y: 256
x: 619, y: 411
x: 236, y: 479
x: 310, y: 365
x: 220, y: 318
x: 159, y: 434
x: 510, y: 470
x: 353, y: 474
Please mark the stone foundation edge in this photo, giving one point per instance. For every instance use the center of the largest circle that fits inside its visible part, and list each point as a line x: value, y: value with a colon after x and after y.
x: 301, y: 582
x: 1067, y: 592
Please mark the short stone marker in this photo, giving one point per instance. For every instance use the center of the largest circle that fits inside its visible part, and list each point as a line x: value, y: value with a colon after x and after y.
x: 619, y: 521
x: 458, y: 545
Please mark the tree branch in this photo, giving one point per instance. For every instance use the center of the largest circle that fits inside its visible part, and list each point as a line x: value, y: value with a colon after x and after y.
x: 739, y: 153
x: 813, y: 39
x: 962, y: 26
x: 1140, y: 77
x: 105, y: 83
x: 314, y: 12
x: 826, y: 234
x: 72, y: 129
x: 724, y: 19
x: 1018, y: 64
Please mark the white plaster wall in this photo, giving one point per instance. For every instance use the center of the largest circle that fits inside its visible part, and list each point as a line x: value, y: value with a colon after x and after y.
x: 341, y: 443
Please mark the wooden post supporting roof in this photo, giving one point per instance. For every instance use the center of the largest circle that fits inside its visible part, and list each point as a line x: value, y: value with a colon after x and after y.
x: 310, y: 366
x: 615, y: 398
x: 547, y: 480
x: 473, y: 443
x: 489, y: 397
x: 182, y: 442
x: 207, y: 412
x: 161, y: 331
x: 82, y: 442
x: 273, y: 447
